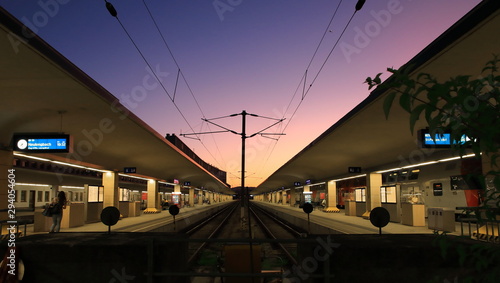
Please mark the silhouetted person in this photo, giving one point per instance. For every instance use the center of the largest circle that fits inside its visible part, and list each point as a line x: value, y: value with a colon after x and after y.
x: 57, y: 207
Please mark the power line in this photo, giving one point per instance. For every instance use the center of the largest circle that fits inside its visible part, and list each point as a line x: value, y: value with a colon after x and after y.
x: 358, y: 7
x: 185, y: 81
x: 114, y: 13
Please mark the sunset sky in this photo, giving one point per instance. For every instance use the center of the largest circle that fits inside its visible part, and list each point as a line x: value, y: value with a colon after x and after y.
x: 239, y: 55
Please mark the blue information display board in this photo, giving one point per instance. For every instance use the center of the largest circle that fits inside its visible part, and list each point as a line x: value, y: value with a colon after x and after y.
x: 41, y: 143
x: 440, y: 140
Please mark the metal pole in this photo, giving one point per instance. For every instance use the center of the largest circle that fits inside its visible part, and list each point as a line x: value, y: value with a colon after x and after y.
x: 246, y: 196
x: 244, y: 221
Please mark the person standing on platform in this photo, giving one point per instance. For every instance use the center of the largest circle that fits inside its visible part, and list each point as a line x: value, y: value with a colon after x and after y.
x: 58, y: 205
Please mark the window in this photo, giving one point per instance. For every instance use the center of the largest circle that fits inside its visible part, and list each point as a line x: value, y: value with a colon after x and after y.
x: 95, y: 194
x: 388, y: 194
x: 437, y: 189
x: 124, y: 194
x: 360, y: 195
x: 403, y: 175
x: 393, y: 176
x: 414, y: 174
x: 23, y: 196
x: 39, y: 196
x: 47, y: 196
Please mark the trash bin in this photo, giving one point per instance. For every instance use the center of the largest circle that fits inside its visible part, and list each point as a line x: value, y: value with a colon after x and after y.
x: 441, y: 219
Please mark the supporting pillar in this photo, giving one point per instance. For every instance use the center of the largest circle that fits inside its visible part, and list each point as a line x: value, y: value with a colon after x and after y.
x: 292, y: 197
x: 373, y: 184
x: 331, y: 197
x: 191, y: 197
x: 306, y: 191
x: 283, y: 197
x: 85, y: 202
x: 153, y: 197
x: 110, y: 184
x: 7, y: 173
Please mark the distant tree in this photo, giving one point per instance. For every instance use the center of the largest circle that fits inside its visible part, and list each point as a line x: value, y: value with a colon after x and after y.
x: 461, y: 106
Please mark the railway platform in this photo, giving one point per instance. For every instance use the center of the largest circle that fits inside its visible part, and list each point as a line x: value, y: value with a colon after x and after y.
x: 344, y: 224
x: 330, y: 223
x: 145, y: 222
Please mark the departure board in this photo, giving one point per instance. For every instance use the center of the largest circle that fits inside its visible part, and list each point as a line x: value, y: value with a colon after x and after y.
x: 41, y: 143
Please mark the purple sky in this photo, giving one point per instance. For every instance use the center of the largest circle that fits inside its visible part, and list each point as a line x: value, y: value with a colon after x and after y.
x: 240, y: 55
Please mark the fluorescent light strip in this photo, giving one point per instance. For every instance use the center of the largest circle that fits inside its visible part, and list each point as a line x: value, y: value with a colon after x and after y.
x: 136, y: 177
x: 320, y: 183
x: 389, y: 170
x: 32, y: 157
x: 72, y: 187
x: 449, y: 159
x: 426, y: 163
x: 68, y: 164
x: 166, y: 183
x: 34, y: 185
x: 61, y: 163
x: 420, y: 164
x: 347, y: 178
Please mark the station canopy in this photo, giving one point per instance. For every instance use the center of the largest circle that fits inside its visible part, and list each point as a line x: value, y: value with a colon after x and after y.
x: 43, y: 92
x: 365, y: 138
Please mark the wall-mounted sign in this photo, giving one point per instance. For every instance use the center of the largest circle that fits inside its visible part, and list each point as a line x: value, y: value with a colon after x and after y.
x: 41, y: 143
x: 442, y: 140
x: 297, y: 184
x: 308, y: 182
x: 130, y: 170
x: 354, y: 169
x: 187, y: 184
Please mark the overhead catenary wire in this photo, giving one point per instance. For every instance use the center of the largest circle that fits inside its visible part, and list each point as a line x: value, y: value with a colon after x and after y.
x: 303, y: 81
x: 304, y: 77
x: 114, y: 13
x: 185, y: 80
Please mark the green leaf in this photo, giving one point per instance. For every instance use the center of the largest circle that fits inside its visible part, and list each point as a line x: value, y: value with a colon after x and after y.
x: 388, y: 103
x: 415, y: 115
x: 405, y: 101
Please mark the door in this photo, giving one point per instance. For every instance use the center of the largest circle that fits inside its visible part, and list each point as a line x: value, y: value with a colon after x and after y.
x: 31, y: 200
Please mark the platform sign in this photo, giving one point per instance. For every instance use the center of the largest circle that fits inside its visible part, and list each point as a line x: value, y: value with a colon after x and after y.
x: 130, y: 170
x: 41, y: 143
x: 354, y: 169
x: 441, y: 140
x: 297, y: 184
x: 187, y: 183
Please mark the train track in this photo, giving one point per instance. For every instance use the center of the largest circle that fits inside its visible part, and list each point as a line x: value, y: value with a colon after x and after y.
x: 209, y: 257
